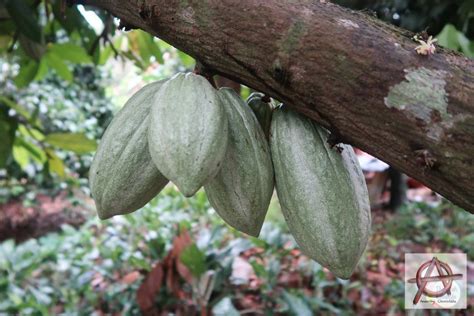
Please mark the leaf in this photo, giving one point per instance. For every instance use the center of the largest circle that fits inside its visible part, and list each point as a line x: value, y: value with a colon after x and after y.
x: 148, y: 47
x: 27, y: 74
x: 8, y: 127
x: 194, y: 259
x: 296, y: 305
x: 105, y: 54
x: 76, y: 142
x: 225, y: 308
x: 55, y: 62
x: 70, y: 52
x: 21, y: 156
x: 16, y: 107
x: 34, y: 151
x: 72, y: 20
x: 467, y: 46
x: 187, y: 60
x: 108, y: 50
x: 322, y: 304
x: 449, y: 37
x: 96, y: 55
x: 4, y: 42
x: 20, y: 111
x: 55, y: 163
x: 31, y: 48
x: 25, y: 19
x: 149, y: 288
x: 27, y: 132
x: 40, y: 297
x: 42, y: 70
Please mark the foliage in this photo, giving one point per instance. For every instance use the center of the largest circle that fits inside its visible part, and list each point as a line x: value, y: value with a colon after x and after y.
x: 100, y: 266
x: 53, y: 105
x: 434, y: 226
x: 64, y: 119
x: 452, y: 20
x: 419, y: 15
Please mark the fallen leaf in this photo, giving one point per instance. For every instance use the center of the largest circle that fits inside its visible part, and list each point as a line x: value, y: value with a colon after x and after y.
x: 130, y: 277
x: 147, y: 291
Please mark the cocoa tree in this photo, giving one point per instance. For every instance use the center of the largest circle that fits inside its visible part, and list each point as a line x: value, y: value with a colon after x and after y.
x: 350, y: 72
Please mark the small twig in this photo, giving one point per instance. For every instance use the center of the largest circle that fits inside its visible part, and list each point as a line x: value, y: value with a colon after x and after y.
x: 116, y: 52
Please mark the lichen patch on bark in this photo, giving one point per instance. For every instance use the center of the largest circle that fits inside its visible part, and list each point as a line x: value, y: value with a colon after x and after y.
x: 294, y: 36
x: 348, y: 24
x: 423, y: 94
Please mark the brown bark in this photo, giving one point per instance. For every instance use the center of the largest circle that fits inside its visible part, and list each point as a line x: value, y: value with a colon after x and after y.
x: 355, y: 75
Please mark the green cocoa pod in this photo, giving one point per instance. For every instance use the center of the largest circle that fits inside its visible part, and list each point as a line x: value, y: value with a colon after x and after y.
x: 322, y: 192
x: 262, y: 110
x: 188, y: 132
x: 123, y: 178
x: 241, y: 191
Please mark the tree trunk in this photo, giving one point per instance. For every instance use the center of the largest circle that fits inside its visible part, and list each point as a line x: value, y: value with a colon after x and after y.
x: 357, y: 76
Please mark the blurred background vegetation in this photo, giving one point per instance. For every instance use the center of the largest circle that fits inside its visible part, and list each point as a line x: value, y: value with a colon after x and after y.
x: 64, y: 73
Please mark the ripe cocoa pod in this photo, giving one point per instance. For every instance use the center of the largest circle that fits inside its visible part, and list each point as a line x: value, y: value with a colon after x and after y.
x: 188, y: 132
x: 262, y: 110
x: 322, y: 192
x: 241, y: 191
x: 122, y: 177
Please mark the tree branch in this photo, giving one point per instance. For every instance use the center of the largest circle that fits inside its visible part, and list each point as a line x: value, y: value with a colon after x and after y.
x: 348, y: 71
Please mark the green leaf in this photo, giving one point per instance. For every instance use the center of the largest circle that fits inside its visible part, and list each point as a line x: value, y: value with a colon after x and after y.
x: 54, y: 61
x: 42, y: 70
x: 296, y: 305
x: 467, y: 46
x: 21, y: 156
x: 71, y: 52
x: 4, y: 42
x: 27, y: 74
x: 108, y: 50
x: 8, y: 127
x: 96, y: 54
x: 187, y: 60
x: 138, y: 62
x: 55, y: 163
x: 105, y: 54
x: 449, y: 37
x: 40, y: 297
x: 72, y: 20
x: 25, y: 19
x: 225, y: 308
x: 20, y: 111
x: 30, y: 132
x: 33, y: 150
x: 31, y: 48
x: 148, y: 47
x: 16, y: 107
x: 76, y: 142
x: 194, y: 259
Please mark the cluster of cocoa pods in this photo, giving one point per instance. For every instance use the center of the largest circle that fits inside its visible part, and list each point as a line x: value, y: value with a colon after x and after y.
x: 185, y: 131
